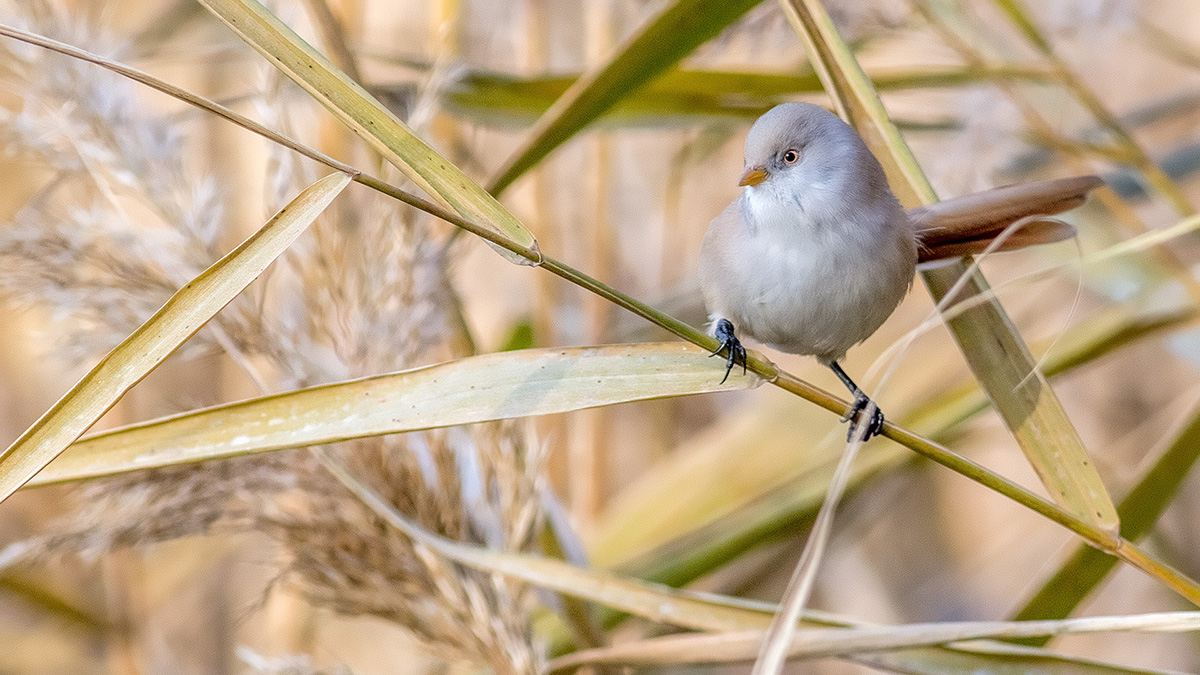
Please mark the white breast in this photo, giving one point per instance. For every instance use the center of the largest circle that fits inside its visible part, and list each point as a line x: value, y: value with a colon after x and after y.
x: 805, y: 284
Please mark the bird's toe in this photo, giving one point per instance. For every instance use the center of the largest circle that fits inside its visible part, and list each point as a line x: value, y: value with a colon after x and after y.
x: 729, y: 343
x: 874, y: 425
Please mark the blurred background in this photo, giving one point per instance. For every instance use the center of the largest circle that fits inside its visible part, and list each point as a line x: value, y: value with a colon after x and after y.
x: 113, y: 196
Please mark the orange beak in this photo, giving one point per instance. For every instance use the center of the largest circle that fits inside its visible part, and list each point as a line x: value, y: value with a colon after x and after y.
x: 753, y: 176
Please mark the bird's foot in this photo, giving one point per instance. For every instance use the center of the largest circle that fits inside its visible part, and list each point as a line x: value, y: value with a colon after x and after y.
x: 731, y: 346
x: 854, y: 417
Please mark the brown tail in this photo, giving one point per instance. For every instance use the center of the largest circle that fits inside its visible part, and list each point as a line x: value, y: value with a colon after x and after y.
x: 967, y: 225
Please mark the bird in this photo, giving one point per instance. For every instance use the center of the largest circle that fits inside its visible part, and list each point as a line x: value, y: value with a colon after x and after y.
x: 817, y: 252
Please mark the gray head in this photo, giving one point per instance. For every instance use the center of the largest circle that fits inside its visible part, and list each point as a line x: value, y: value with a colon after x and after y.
x: 803, y: 148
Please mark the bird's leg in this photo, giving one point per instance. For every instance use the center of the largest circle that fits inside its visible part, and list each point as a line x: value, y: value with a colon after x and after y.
x: 875, y: 425
x: 730, y: 344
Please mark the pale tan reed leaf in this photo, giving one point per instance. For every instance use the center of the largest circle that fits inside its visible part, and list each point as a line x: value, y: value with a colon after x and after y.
x: 474, y: 389
x: 184, y: 314
x: 743, y: 646
x: 373, y: 122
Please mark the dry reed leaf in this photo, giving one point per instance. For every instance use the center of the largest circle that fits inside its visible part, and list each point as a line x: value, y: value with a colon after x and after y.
x: 501, y: 100
x: 1085, y: 569
x: 477, y: 389
x: 370, y: 120
x: 155, y: 340
x: 672, y: 34
x: 824, y: 642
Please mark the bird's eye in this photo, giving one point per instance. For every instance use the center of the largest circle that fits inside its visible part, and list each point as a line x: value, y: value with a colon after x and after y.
x: 790, y: 156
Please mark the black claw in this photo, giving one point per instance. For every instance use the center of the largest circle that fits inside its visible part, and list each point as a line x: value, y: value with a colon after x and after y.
x: 853, y: 415
x: 875, y: 424
x: 730, y: 344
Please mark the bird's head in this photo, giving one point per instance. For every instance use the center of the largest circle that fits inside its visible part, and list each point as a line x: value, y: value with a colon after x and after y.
x: 798, y: 146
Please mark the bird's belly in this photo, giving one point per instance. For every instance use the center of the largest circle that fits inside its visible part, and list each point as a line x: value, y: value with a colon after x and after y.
x: 811, y: 299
